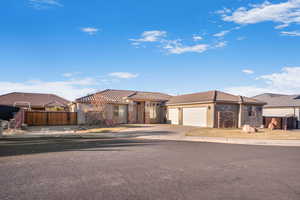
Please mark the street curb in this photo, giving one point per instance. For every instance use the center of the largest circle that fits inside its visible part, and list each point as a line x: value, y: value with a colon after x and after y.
x: 262, y: 142
x: 286, y: 143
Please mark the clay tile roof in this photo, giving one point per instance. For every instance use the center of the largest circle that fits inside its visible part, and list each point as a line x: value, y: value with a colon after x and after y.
x: 120, y: 96
x: 150, y: 96
x: 210, y: 96
x: 279, y: 100
x: 34, y: 99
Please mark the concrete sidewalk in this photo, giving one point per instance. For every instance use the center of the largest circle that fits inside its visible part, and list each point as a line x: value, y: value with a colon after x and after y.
x: 291, y: 143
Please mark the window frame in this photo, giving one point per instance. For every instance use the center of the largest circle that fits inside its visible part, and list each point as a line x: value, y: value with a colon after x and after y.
x: 116, y: 110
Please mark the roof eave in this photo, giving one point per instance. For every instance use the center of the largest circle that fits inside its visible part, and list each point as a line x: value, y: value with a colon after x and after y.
x: 187, y: 103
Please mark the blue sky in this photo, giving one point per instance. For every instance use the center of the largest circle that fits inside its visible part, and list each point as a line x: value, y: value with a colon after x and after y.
x: 72, y: 48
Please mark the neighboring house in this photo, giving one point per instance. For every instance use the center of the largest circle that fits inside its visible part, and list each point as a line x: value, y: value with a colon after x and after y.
x: 122, y: 106
x: 205, y: 109
x: 279, y: 105
x: 35, y: 101
x: 214, y: 109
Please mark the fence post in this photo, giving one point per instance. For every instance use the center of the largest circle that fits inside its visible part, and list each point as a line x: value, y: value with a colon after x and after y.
x: 47, y: 118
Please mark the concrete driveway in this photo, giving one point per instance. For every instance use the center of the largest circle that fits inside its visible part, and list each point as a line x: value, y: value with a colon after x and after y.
x: 156, y: 131
x: 117, y: 169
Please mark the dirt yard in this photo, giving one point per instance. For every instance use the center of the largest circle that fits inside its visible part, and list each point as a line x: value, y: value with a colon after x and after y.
x: 237, y: 133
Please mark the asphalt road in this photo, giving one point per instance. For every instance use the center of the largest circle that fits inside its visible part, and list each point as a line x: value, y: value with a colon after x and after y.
x: 143, y: 169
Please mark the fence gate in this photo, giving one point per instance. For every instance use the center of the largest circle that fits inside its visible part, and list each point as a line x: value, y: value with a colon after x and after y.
x: 40, y: 118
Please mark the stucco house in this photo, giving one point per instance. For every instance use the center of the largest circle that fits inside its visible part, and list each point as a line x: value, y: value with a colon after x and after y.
x: 206, y: 109
x: 214, y: 109
x: 35, y: 101
x: 279, y: 105
x: 123, y: 106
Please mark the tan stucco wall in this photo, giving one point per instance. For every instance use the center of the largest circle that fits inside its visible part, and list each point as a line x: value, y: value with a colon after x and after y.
x: 210, y: 111
x: 213, y: 109
x: 281, y: 112
x: 82, y: 109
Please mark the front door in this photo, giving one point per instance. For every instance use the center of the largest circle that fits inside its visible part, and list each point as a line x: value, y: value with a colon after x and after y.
x: 140, y: 112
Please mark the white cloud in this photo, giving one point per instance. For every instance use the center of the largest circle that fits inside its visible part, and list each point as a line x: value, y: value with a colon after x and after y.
x: 248, y: 71
x: 70, y: 74
x: 290, y: 33
x: 199, y: 48
x: 222, y: 33
x: 223, y: 11
x: 285, y: 13
x: 176, y: 47
x: 150, y: 36
x: 281, y: 26
x: 287, y: 81
x: 250, y: 91
x: 90, y: 30
x: 221, y: 44
x: 123, y: 75
x: 69, y: 89
x: 44, y: 4
x: 197, y: 37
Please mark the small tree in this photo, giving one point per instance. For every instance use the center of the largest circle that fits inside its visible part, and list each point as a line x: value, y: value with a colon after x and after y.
x: 97, y: 115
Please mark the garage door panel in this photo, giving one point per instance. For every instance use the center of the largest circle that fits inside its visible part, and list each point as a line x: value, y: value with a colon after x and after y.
x: 195, y: 116
x: 173, y: 116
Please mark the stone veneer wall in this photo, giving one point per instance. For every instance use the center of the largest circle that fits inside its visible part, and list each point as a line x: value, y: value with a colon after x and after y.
x: 233, y: 108
x: 256, y: 120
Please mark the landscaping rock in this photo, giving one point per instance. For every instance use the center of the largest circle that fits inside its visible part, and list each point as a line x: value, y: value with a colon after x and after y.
x: 249, y: 129
x: 4, y: 124
x: 273, y: 124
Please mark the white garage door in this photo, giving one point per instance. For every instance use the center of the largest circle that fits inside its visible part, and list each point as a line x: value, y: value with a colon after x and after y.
x: 195, y: 116
x: 173, y: 116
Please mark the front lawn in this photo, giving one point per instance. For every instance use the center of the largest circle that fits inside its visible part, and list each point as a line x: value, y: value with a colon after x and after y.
x: 237, y: 133
x: 102, y: 130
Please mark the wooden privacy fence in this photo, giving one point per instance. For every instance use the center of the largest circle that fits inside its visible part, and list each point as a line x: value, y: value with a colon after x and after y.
x: 40, y: 118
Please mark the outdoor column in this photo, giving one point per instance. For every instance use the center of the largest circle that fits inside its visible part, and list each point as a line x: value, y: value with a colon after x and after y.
x: 240, y: 115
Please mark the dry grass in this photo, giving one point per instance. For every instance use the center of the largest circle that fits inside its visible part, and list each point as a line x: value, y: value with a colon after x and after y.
x: 102, y: 130
x: 237, y: 133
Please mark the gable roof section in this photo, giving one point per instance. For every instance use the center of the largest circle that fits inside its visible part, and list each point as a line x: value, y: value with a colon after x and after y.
x: 34, y: 99
x: 211, y: 96
x: 120, y: 96
x: 279, y: 100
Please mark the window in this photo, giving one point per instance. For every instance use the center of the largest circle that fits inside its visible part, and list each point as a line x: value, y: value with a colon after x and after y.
x: 251, y: 111
x: 153, y: 111
x: 116, y: 111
